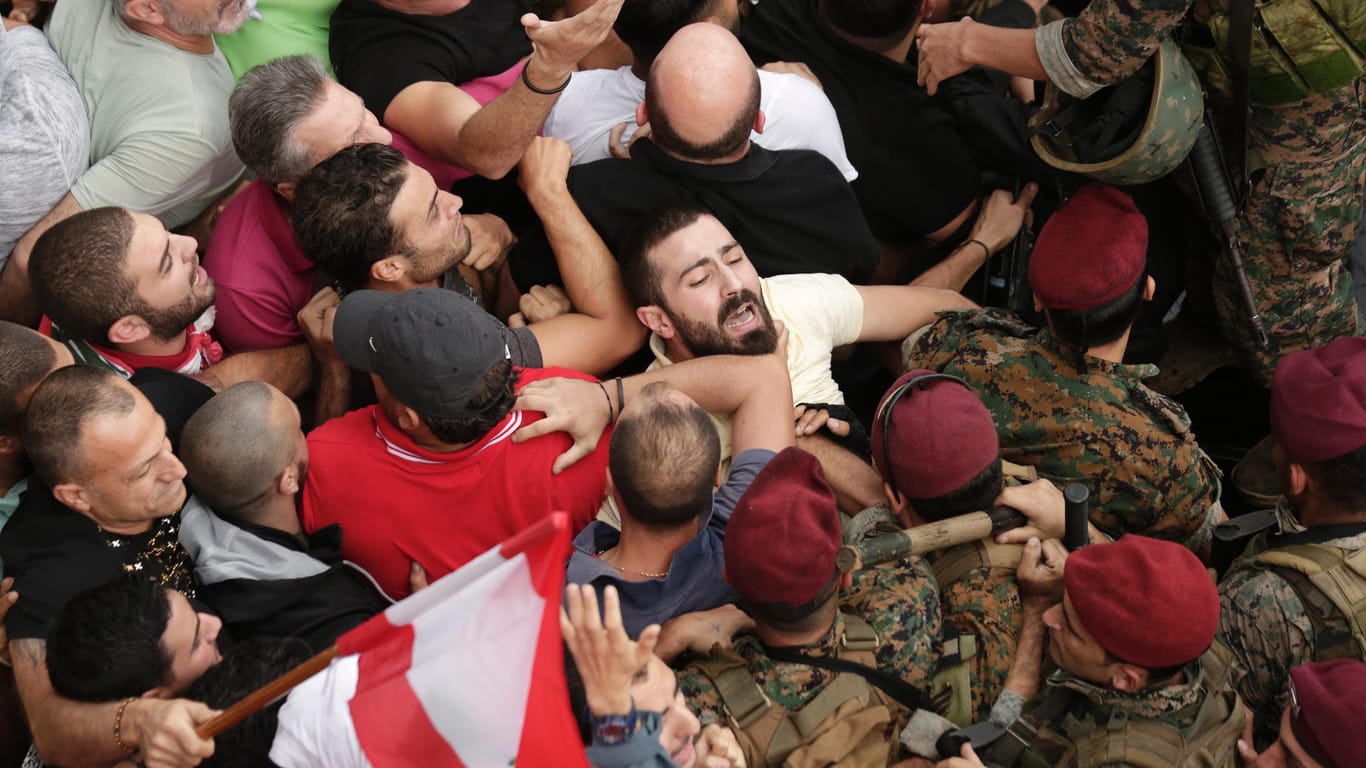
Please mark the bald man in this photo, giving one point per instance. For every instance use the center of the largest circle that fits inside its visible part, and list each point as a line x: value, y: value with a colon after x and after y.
x: 792, y: 210
x: 246, y: 460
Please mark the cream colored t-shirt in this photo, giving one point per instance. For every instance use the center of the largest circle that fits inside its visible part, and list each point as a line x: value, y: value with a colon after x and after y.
x: 821, y: 312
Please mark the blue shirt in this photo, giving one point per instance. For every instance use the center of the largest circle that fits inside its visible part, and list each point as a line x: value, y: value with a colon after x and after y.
x: 694, y: 582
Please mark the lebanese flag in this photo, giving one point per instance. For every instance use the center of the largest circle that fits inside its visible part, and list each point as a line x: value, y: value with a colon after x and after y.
x: 469, y: 671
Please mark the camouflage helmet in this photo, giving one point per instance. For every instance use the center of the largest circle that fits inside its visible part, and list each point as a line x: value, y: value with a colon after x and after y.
x: 1171, y: 119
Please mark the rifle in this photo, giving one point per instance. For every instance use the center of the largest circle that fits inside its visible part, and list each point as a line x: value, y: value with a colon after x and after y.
x: 1217, y: 200
x: 930, y: 537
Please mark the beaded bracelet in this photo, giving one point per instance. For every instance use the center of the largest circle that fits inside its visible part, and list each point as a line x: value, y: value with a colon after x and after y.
x: 118, y: 727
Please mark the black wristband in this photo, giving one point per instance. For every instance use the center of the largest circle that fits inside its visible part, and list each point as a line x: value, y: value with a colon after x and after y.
x: 551, y: 92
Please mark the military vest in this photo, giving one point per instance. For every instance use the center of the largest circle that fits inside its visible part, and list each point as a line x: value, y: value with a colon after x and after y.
x: 1067, y: 730
x: 1330, y: 582
x: 849, y: 723
x: 1299, y: 47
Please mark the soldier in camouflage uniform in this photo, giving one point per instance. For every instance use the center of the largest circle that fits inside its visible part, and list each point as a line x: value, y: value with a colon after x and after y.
x: 1307, y: 154
x: 1276, y: 616
x: 780, y: 557
x: 1077, y: 415
x: 1138, y: 681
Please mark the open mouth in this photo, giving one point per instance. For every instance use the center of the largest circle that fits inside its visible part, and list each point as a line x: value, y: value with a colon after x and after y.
x: 684, y: 756
x: 742, y: 320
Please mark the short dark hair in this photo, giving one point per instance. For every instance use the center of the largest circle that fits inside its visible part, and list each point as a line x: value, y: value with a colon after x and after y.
x: 245, y: 668
x: 1082, y: 329
x: 874, y: 20
x: 978, y: 494
x: 645, y: 26
x: 1340, y: 480
x: 814, y: 614
x: 341, y: 211
x: 638, y: 271
x: 26, y: 360
x: 664, y: 461
x: 55, y: 423
x: 105, y: 643
x: 736, y: 134
x: 77, y: 272
x: 231, y: 452
x: 1155, y: 674
x: 493, y: 399
x: 266, y: 106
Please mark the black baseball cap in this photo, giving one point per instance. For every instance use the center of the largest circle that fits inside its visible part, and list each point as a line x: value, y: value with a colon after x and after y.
x: 430, y: 346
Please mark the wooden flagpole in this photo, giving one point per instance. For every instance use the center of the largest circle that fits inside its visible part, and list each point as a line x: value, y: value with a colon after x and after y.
x: 263, y: 696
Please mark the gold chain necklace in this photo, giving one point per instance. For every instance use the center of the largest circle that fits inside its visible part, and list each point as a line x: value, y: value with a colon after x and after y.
x: 628, y: 570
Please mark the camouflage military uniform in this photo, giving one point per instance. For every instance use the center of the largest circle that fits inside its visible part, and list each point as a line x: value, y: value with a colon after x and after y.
x: 1304, y: 205
x: 1173, y: 704
x: 898, y: 600
x: 983, y: 603
x: 1132, y: 446
x: 1264, y: 622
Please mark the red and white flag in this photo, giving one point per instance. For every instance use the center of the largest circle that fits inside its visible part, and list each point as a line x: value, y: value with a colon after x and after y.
x: 468, y: 672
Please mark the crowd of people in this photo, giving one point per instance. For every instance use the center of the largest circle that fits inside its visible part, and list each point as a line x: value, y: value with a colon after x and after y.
x: 307, y: 304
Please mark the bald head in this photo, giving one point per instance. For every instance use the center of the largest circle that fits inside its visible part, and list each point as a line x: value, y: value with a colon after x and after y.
x: 236, y: 447
x: 702, y: 95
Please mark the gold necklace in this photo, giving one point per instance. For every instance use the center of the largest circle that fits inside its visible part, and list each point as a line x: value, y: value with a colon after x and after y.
x: 628, y: 570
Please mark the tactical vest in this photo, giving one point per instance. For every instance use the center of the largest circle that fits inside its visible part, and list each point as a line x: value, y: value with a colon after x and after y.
x: 1330, y: 582
x: 1299, y: 47
x: 849, y: 723
x: 1068, y: 731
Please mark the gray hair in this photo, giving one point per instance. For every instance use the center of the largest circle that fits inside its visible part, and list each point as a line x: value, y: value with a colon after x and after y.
x: 266, y: 107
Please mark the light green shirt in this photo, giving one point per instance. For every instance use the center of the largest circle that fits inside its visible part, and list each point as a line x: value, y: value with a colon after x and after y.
x: 159, y: 139
x: 286, y: 28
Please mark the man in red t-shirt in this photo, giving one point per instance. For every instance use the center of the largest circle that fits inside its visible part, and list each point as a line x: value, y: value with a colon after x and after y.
x: 430, y: 475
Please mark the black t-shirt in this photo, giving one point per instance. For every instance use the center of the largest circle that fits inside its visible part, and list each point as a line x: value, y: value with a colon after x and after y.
x: 915, y: 172
x: 377, y: 52
x: 792, y: 211
x: 55, y: 553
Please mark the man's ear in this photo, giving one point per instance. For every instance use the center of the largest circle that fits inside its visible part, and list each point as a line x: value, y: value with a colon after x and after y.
x: 846, y: 580
x: 11, y: 445
x: 759, y: 119
x: 897, y: 503
x: 129, y: 329
x: 1127, y: 678
x: 642, y: 114
x: 408, y: 420
x: 389, y: 269
x: 288, y: 482
x: 1149, y: 289
x: 1038, y: 305
x: 654, y: 317
x: 1299, y: 479
x: 71, y: 496
x: 145, y: 11
x: 285, y: 189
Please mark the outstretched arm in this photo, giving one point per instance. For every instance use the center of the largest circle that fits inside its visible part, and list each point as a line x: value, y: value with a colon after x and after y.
x: 603, y: 330
x: 448, y: 123
x: 69, y: 732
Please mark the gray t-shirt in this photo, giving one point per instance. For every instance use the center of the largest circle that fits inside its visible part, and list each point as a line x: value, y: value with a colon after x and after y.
x: 159, y: 138
x: 44, y: 136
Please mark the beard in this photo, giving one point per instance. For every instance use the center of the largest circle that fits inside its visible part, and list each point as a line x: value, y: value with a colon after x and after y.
x: 170, y: 322
x: 707, y: 339
x: 430, y: 266
x: 231, y: 15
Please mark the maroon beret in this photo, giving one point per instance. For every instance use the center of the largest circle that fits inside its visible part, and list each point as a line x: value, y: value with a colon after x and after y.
x: 1148, y: 602
x: 782, y: 537
x: 1318, y: 401
x: 1091, y: 251
x: 1332, y: 709
x: 942, y: 437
